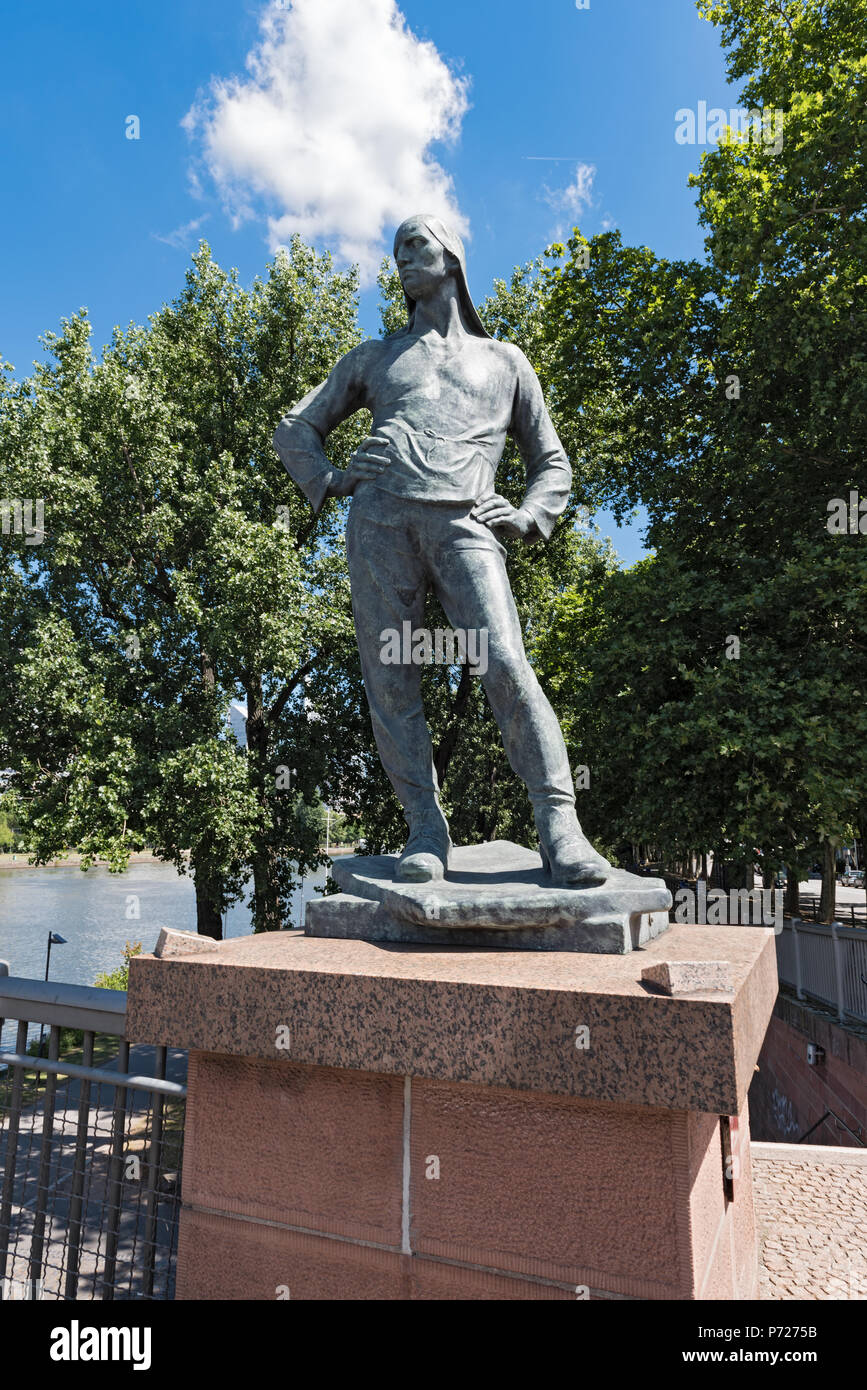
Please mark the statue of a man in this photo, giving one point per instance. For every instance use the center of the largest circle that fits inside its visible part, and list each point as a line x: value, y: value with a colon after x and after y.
x: 424, y: 515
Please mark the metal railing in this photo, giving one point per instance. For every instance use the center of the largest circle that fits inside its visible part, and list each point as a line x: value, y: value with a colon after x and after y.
x: 826, y: 963
x: 91, y: 1140
x: 852, y: 914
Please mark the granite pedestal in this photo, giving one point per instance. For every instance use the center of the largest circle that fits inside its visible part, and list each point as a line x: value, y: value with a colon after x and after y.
x: 387, y: 1121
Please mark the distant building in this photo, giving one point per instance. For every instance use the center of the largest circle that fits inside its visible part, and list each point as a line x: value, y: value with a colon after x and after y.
x: 236, y: 718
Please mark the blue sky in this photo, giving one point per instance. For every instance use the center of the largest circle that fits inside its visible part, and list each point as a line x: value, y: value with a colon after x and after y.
x: 554, y: 115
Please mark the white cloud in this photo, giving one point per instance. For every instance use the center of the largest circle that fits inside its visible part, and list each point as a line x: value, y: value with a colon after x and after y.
x: 181, y: 235
x: 577, y: 197
x: 333, y: 127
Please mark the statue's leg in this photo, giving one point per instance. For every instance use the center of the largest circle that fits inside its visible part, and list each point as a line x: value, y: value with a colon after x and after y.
x: 469, y: 577
x: 389, y: 583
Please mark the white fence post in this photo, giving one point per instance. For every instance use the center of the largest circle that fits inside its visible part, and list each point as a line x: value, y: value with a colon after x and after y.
x: 798, y: 984
x: 838, y: 970
x: 831, y: 967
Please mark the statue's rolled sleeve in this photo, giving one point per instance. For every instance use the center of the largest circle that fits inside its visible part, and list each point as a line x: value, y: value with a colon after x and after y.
x: 303, y: 457
x: 549, y: 476
x: 300, y: 436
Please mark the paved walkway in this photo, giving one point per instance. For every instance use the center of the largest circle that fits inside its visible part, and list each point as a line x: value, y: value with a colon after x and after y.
x: 811, y: 1215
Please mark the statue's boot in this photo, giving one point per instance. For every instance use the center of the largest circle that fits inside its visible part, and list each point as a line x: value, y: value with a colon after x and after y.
x: 566, y: 852
x: 426, y: 853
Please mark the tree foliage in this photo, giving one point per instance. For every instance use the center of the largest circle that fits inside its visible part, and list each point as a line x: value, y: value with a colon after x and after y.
x: 179, y: 571
x: 735, y: 396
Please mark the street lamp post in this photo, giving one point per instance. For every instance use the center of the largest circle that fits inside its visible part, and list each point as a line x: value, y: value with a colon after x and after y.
x: 54, y: 939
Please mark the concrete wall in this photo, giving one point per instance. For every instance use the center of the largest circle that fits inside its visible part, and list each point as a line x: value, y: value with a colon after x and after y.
x: 788, y: 1095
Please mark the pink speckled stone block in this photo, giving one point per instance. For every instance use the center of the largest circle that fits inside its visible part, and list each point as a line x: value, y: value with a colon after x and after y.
x: 744, y: 1235
x: 395, y: 1123
x: 724, y: 1231
x: 707, y: 1207
x: 228, y: 1260
x: 493, y: 1018
x: 529, y: 1183
x: 309, y: 1147
x: 459, y: 1191
x: 689, y: 976
x: 220, y: 1258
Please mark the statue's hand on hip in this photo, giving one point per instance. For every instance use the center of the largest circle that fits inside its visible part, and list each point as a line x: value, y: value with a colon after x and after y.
x: 498, y: 514
x: 364, y: 465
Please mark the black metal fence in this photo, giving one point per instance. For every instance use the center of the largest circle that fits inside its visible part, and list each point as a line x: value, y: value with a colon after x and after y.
x: 853, y: 914
x: 91, y: 1147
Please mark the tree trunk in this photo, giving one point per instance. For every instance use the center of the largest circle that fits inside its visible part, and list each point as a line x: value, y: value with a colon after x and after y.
x: 268, y: 908
x: 209, y: 895
x: 488, y: 831
x: 792, y: 903
x: 828, y: 899
x: 443, y: 754
x: 209, y: 915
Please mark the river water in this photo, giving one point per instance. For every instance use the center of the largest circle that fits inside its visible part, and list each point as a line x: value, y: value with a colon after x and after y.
x: 96, y: 912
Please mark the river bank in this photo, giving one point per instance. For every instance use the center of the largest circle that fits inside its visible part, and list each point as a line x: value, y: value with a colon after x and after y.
x: 70, y: 861
x: 73, y: 859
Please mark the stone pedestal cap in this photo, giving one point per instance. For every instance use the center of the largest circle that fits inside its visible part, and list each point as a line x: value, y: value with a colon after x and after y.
x: 565, y: 1023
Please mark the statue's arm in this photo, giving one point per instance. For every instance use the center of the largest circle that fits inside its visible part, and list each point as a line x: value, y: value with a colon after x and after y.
x: 300, y: 436
x: 549, y: 476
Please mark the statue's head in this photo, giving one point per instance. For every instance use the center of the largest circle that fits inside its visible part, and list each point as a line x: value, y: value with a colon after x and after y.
x: 428, y: 252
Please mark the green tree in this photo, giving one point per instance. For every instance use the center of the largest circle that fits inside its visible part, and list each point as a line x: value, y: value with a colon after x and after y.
x: 179, y: 570
x: 732, y: 398
x: 119, y: 978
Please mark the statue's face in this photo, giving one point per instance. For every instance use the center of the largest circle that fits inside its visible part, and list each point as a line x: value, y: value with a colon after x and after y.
x: 422, y: 261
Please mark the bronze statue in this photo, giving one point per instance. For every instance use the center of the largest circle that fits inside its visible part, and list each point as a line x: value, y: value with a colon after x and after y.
x: 425, y: 515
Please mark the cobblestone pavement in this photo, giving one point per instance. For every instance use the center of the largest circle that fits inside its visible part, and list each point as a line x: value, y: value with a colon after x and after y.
x: 811, y: 1218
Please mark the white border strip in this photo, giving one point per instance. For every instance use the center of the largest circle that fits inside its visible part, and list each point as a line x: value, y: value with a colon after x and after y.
x: 807, y: 1153
x: 406, y: 1248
